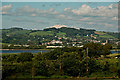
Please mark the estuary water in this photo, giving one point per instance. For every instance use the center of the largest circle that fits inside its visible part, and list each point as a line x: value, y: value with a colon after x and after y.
x: 36, y: 51
x: 21, y: 51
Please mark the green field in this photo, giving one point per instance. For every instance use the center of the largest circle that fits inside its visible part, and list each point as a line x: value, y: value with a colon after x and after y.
x: 61, y: 34
x: 106, y: 36
x: 42, y: 33
x: 100, y: 33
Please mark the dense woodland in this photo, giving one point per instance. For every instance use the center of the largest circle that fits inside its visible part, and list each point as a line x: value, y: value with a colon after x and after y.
x: 62, y: 63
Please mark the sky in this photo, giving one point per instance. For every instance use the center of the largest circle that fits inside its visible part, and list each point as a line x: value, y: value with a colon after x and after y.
x: 101, y: 16
x: 60, y: 0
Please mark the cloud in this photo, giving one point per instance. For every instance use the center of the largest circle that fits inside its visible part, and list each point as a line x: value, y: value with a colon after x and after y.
x: 115, y: 18
x: 83, y: 10
x: 6, y: 9
x: 100, y: 17
x: 33, y: 15
x: 110, y: 10
x: 67, y: 9
x: 85, y: 19
x: 27, y: 10
x: 61, y: 16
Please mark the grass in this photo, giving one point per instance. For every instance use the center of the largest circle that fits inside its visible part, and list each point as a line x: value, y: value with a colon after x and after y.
x: 103, y: 34
x: 113, y: 55
x: 59, y: 76
x: 38, y: 77
x: 60, y: 34
x: 100, y: 33
x: 20, y: 76
x: 19, y: 32
x: 4, y: 44
x: 106, y: 36
x: 42, y: 33
x: 102, y: 74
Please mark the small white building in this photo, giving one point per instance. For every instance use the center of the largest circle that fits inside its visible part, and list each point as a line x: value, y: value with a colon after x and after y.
x: 54, y: 46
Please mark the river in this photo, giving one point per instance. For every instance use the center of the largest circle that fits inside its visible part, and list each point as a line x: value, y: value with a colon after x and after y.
x: 36, y: 51
x: 21, y: 51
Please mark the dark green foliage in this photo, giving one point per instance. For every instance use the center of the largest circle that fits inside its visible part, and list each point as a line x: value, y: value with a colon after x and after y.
x: 24, y: 68
x: 10, y: 58
x: 94, y: 66
x: 60, y: 62
x: 8, y: 70
x: 25, y: 57
x: 106, y: 49
x: 118, y: 73
x: 95, y: 49
x: 39, y: 57
x: 53, y: 55
x: 118, y: 46
x: 70, y: 64
x: 40, y: 68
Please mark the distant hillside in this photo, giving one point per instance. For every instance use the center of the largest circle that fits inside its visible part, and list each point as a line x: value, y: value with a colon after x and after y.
x: 24, y: 36
x: 71, y: 31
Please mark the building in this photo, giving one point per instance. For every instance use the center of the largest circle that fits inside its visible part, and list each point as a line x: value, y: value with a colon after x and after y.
x: 54, y: 46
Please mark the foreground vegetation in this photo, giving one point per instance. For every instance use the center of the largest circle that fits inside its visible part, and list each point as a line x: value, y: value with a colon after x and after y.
x: 62, y: 63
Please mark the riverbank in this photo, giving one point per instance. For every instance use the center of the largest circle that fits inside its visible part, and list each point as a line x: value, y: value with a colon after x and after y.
x: 25, y: 49
x: 115, y: 49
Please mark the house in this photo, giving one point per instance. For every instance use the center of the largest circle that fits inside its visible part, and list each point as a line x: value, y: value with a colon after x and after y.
x: 54, y: 46
x: 53, y: 42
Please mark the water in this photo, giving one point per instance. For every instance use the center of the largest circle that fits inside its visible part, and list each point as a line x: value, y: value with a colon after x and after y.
x: 115, y: 51
x: 36, y: 51
x: 21, y: 51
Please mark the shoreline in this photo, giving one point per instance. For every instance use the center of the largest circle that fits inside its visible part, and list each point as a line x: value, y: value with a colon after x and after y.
x: 24, y: 49
x: 115, y: 50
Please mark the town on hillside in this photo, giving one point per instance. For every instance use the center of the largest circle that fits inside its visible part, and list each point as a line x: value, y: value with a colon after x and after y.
x: 56, y: 36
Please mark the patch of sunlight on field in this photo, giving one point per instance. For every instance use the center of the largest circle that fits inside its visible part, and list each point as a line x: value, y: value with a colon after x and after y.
x: 100, y: 33
x: 113, y: 55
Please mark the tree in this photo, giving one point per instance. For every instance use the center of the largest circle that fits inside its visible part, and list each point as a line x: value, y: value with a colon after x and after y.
x: 26, y: 56
x: 118, y: 46
x: 40, y: 68
x: 106, y: 49
x: 70, y: 64
x: 53, y: 55
x: 94, y: 49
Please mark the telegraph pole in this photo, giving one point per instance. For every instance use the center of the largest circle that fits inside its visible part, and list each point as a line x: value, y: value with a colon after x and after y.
x: 60, y: 65
x: 87, y: 64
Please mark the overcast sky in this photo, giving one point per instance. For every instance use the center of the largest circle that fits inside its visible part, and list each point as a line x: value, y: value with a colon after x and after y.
x: 102, y: 16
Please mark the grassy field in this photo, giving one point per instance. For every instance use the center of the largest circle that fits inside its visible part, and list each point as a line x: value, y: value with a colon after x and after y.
x: 106, y: 36
x: 100, y: 33
x: 61, y: 34
x: 103, y: 34
x: 42, y: 33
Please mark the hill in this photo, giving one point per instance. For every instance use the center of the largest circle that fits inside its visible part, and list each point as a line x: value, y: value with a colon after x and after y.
x: 67, y: 35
